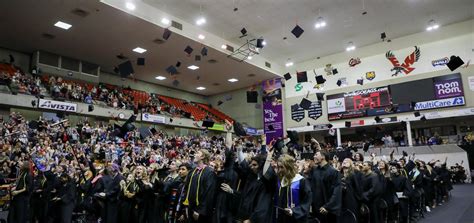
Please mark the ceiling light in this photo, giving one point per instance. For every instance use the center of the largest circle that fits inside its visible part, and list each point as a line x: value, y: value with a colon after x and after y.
x: 264, y: 43
x: 233, y: 80
x: 249, y: 57
x: 165, y: 21
x: 350, y: 46
x: 201, y: 36
x: 320, y: 23
x: 139, y: 50
x: 160, y: 78
x: 224, y: 46
x: 63, y: 25
x: 432, y: 25
x: 201, y: 21
x: 130, y: 6
x: 289, y: 64
x: 193, y: 67
x: 200, y: 88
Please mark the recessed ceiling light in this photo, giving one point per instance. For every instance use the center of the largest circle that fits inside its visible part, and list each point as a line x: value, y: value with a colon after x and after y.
x: 165, y: 21
x: 201, y: 21
x: 193, y: 67
x: 233, y: 80
x: 160, y: 78
x: 432, y: 25
x: 130, y: 6
x: 224, y: 46
x: 350, y: 46
x: 264, y: 43
x: 201, y: 88
x: 320, y: 23
x: 139, y: 50
x: 289, y: 64
x: 63, y: 25
x: 201, y: 36
x: 249, y: 57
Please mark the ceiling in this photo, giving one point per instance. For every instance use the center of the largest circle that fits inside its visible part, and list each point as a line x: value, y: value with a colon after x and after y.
x: 274, y: 19
x: 106, y: 32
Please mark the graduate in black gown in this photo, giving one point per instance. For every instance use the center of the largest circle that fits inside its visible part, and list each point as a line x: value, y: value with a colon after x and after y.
x: 326, y: 187
x: 19, y: 206
x: 111, y: 193
x: 180, y: 214
x: 292, y: 192
x: 201, y: 189
x: 65, y: 199
x: 371, y: 191
x: 351, y: 190
x: 226, y: 177
x: 254, y: 200
x: 404, y: 190
x: 171, y: 188
x: 39, y: 198
x: 127, y: 200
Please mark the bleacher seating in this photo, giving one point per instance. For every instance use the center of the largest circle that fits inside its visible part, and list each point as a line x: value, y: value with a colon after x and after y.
x: 196, y: 113
x: 215, y: 112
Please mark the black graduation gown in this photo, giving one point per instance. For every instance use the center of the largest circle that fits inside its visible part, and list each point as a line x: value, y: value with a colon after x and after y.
x: 128, y: 209
x: 402, y: 184
x: 371, y: 193
x: 39, y: 202
x: 255, y: 198
x: 19, y: 206
x: 112, y: 190
x: 67, y: 202
x: 144, y: 198
x: 223, y: 212
x: 283, y: 196
x: 326, y: 189
x: 351, y: 197
x: 428, y: 186
x: 171, y: 189
x: 202, y: 188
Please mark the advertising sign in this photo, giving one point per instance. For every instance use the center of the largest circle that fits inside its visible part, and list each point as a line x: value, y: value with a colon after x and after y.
x: 272, y: 109
x: 442, y: 103
x: 57, y: 105
x: 153, y: 118
x: 448, y: 88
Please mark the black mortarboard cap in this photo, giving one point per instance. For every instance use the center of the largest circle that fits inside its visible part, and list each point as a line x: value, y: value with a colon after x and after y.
x: 295, y: 107
x: 171, y: 70
x: 297, y: 31
x: 417, y: 114
x: 454, y: 63
x: 320, y: 96
x: 305, y: 103
x: 360, y: 81
x: 423, y: 118
x: 287, y: 76
x: 141, y: 61
x: 125, y: 68
x: 239, y: 129
x: 188, y: 49
x: 252, y: 96
x: 219, y: 102
x: 405, y: 153
x: 329, y: 126
x: 243, y: 31
x: 339, y: 82
x: 383, y: 35
x: 178, y: 64
x: 320, y: 79
x: 197, y: 58
x: 348, y: 124
x: 166, y: 34
x: 175, y: 83
x: 301, y: 77
x: 308, y: 124
x: 334, y: 71
x: 270, y: 127
x: 204, y: 51
x: 377, y: 119
x: 292, y: 135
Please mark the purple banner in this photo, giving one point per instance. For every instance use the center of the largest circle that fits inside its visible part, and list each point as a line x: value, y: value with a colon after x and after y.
x: 448, y: 88
x: 272, y: 109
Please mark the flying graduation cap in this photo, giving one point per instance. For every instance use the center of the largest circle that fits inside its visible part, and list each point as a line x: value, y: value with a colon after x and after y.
x: 320, y: 96
x: 188, y: 50
x: 301, y: 77
x: 297, y: 31
x: 287, y: 76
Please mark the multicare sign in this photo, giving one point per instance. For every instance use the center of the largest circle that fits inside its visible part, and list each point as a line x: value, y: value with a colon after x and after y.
x: 146, y: 117
x: 442, y: 103
x: 57, y: 105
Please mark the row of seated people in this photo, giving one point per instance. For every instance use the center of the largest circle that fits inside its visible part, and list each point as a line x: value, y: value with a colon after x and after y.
x: 112, y: 96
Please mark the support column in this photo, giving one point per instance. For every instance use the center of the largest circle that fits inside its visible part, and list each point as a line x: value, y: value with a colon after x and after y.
x: 338, y: 134
x: 410, y: 140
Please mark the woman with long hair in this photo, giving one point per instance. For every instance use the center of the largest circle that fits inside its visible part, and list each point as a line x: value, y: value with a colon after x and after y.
x: 350, y: 191
x: 293, y: 193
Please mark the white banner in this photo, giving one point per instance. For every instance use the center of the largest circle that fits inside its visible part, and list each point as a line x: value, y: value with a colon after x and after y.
x: 153, y: 118
x: 57, y: 105
x: 442, y: 103
x: 337, y: 105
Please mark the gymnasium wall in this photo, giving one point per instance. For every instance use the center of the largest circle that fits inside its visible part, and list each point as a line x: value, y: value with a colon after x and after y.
x: 22, y: 60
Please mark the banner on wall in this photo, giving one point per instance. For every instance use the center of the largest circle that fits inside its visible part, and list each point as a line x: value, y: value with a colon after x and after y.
x: 57, y: 105
x: 441, y: 103
x: 315, y: 110
x: 272, y: 109
x: 153, y: 118
x: 297, y: 113
x: 448, y: 88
